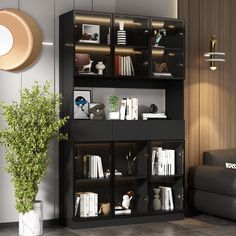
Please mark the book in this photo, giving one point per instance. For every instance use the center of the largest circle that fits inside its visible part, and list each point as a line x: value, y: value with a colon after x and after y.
x: 156, y: 74
x: 123, y: 108
x: 153, y: 161
x: 170, y: 197
x: 88, y: 204
x: 128, y: 109
x: 77, y: 200
x: 100, y: 167
x: 121, y: 211
x: 117, y: 65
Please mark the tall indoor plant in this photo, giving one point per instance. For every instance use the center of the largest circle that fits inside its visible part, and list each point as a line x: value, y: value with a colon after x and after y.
x: 31, y: 124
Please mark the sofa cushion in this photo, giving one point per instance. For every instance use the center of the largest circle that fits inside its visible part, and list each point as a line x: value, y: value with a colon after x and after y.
x: 213, y: 203
x: 219, y: 157
x: 213, y: 179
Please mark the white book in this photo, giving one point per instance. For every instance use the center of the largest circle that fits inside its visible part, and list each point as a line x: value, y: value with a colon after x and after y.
x: 77, y: 200
x: 86, y: 204
x: 166, y: 197
x: 136, y: 108
x: 95, y: 204
x: 132, y: 67
x: 161, y: 160
x: 170, y: 196
x: 123, y: 108
x: 82, y: 205
x: 128, y: 66
x: 172, y: 162
x: 153, y: 161
x: 100, y: 168
x: 95, y: 166
x: 123, y: 212
x: 128, y: 109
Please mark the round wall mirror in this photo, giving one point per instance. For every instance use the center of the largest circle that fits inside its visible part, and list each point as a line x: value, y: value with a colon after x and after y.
x: 6, y: 40
x: 20, y: 40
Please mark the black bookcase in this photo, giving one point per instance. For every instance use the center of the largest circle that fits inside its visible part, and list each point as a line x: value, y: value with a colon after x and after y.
x: 155, y: 47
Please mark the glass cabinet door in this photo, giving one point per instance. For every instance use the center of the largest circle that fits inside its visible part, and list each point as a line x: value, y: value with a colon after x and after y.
x: 130, y: 178
x: 131, y: 46
x: 167, y: 41
x: 92, y: 182
x: 167, y: 176
x: 92, y: 44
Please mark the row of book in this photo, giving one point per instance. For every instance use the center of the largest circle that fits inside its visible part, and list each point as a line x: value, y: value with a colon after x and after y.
x: 92, y: 167
x: 166, y: 198
x: 124, y: 65
x: 129, y: 109
x: 163, y: 161
x: 86, y: 204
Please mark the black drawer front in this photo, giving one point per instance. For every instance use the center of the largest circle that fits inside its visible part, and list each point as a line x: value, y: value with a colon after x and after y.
x: 130, y: 130
x: 166, y: 129
x: 92, y: 130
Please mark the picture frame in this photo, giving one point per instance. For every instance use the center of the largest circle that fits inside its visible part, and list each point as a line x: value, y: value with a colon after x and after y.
x: 90, y: 33
x: 82, y: 98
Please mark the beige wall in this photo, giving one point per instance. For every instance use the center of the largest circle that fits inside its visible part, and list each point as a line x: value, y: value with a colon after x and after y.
x: 210, y: 96
x: 46, y: 13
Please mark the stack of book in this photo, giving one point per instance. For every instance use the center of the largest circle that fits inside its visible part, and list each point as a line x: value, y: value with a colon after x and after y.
x: 124, y: 65
x: 119, y: 210
x: 147, y: 116
x: 92, y: 167
x: 162, y: 74
x: 86, y: 204
x: 129, y: 109
x: 166, y: 198
x: 163, y: 161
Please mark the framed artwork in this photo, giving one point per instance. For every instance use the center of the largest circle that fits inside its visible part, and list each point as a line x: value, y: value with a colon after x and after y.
x: 90, y: 33
x: 82, y: 98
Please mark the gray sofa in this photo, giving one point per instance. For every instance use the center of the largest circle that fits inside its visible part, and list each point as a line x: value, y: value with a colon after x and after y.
x: 212, y: 187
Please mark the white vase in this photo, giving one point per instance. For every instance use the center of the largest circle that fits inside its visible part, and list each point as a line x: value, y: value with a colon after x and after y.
x: 31, y: 223
x: 156, y: 201
x: 100, y: 67
x: 114, y: 115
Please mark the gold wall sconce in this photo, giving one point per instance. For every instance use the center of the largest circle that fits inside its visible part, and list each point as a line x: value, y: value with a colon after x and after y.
x: 20, y: 40
x: 213, y: 56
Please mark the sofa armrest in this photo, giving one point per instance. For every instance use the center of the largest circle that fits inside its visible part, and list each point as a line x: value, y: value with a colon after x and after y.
x: 213, y: 179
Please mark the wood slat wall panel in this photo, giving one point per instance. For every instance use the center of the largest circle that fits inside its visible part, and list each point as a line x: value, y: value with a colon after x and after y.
x: 210, y: 96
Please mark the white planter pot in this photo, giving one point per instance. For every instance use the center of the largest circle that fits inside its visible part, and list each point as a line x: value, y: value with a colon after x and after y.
x: 31, y: 223
x: 114, y: 115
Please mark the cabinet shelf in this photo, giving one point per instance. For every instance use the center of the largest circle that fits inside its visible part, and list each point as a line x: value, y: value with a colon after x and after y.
x: 167, y: 49
x: 100, y: 217
x: 97, y: 180
x: 167, y: 179
x: 130, y: 178
x: 160, y: 212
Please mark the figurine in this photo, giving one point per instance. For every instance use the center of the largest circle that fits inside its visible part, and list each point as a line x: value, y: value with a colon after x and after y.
x: 160, y: 67
x: 126, y: 201
x: 97, y: 111
x: 131, y: 170
x: 158, y: 36
x: 88, y: 66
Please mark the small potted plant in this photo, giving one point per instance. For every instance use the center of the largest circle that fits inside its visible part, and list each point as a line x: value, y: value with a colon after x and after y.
x: 113, y: 114
x: 31, y: 124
